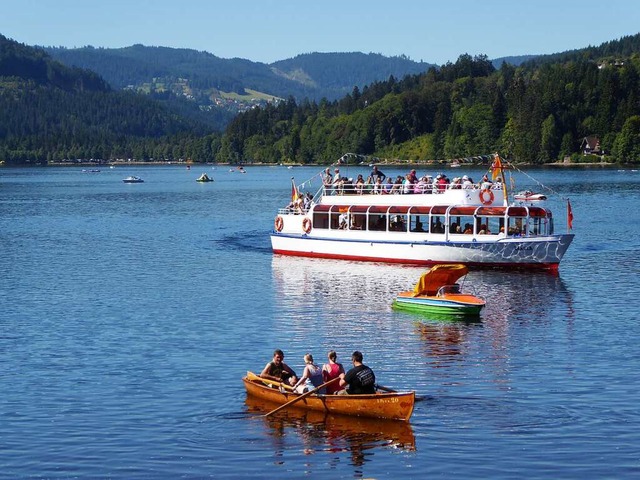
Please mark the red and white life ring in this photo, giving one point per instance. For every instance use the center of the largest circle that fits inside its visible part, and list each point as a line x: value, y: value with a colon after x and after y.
x: 278, y: 224
x: 489, y: 199
x: 306, y: 225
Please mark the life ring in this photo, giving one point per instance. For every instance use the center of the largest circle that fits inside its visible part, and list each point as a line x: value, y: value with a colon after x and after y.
x: 278, y: 224
x: 489, y: 200
x: 306, y: 225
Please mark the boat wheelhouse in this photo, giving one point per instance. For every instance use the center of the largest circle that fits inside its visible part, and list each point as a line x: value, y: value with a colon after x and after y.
x: 475, y: 226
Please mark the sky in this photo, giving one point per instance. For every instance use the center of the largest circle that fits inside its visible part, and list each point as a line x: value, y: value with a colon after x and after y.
x: 270, y: 30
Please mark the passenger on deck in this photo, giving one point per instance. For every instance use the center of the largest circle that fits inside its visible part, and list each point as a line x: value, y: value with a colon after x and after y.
x: 375, y: 174
x: 418, y: 227
x: 359, y: 185
x: 327, y: 181
x: 378, y: 187
x: 468, y: 229
x: 332, y: 370
x: 438, y: 227
x: 278, y: 371
x: 343, y: 221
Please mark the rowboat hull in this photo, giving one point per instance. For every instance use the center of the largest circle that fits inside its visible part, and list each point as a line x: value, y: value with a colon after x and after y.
x: 391, y: 406
x: 328, y: 426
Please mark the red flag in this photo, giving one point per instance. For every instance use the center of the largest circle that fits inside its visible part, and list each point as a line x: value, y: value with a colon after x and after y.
x: 569, y: 215
x: 294, y: 191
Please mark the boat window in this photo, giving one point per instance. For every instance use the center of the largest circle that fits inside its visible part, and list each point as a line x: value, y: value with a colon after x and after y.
x: 538, y: 226
x: 321, y: 216
x: 320, y: 219
x: 419, y: 223
x: 358, y: 221
x: 377, y: 222
x: 489, y: 225
x: 397, y: 223
x: 437, y: 223
x: 339, y: 219
x: 461, y: 225
x: 516, y: 226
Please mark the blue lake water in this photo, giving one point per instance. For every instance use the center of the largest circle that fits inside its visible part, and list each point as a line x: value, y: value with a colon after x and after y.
x: 129, y: 314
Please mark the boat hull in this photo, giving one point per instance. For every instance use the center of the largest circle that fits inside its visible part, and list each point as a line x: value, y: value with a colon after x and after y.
x: 457, y: 304
x: 391, y: 406
x: 526, y: 253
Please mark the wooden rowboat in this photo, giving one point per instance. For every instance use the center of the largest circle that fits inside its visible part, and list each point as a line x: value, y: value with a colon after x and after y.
x: 392, y: 406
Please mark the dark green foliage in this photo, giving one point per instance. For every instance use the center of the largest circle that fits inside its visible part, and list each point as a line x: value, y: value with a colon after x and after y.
x: 536, y: 113
x: 49, y: 112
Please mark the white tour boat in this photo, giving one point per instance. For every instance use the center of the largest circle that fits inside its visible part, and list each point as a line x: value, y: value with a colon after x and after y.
x: 473, y: 225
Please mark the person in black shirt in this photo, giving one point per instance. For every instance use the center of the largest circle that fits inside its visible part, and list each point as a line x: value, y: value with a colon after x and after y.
x: 375, y: 174
x: 360, y: 379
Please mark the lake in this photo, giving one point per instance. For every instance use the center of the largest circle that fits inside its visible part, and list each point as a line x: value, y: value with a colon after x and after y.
x: 130, y: 312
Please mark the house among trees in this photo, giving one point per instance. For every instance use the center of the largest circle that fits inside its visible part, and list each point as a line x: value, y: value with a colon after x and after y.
x: 591, y: 146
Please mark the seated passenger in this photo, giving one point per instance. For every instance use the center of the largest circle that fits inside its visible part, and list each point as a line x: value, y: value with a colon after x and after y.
x: 360, y: 379
x: 311, y: 377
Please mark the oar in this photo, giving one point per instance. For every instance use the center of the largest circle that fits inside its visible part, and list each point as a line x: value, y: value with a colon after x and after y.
x: 304, y: 395
x: 252, y: 376
x: 419, y: 398
x: 385, y: 389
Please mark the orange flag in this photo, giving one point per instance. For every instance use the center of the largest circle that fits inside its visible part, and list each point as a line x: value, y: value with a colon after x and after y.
x: 496, y: 169
x: 294, y: 191
x: 569, y: 215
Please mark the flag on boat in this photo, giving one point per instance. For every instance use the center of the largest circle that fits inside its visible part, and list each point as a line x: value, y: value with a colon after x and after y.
x: 294, y: 190
x: 496, y: 169
x: 569, y: 215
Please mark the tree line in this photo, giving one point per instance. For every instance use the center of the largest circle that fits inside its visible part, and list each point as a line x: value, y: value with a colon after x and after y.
x: 536, y: 113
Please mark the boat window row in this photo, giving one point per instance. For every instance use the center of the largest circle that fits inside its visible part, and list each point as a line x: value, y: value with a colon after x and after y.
x: 439, y: 219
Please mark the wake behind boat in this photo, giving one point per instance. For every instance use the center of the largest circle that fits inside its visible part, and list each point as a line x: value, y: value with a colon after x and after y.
x: 430, y: 223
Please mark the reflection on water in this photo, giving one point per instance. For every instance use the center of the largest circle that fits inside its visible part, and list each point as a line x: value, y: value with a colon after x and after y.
x: 317, y: 432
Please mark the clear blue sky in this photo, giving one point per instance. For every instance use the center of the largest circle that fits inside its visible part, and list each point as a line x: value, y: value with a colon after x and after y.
x: 270, y: 30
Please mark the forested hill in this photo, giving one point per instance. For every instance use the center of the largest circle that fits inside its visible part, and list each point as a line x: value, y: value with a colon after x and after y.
x: 538, y: 112
x: 52, y: 112
x: 335, y: 74
x: 28, y: 63
x: 208, y: 78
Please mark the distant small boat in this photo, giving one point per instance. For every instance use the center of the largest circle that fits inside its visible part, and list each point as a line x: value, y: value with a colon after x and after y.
x: 93, y: 170
x: 133, y: 179
x: 529, y: 196
x: 438, y: 292
x: 204, y: 178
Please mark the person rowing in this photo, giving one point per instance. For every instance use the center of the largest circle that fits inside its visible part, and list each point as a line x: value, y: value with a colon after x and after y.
x: 278, y: 371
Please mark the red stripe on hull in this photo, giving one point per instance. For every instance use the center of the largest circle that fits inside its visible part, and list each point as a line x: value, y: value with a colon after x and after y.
x: 545, y: 267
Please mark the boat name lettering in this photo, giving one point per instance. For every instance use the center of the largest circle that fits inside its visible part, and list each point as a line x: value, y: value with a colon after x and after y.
x: 524, y: 247
x: 387, y: 400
